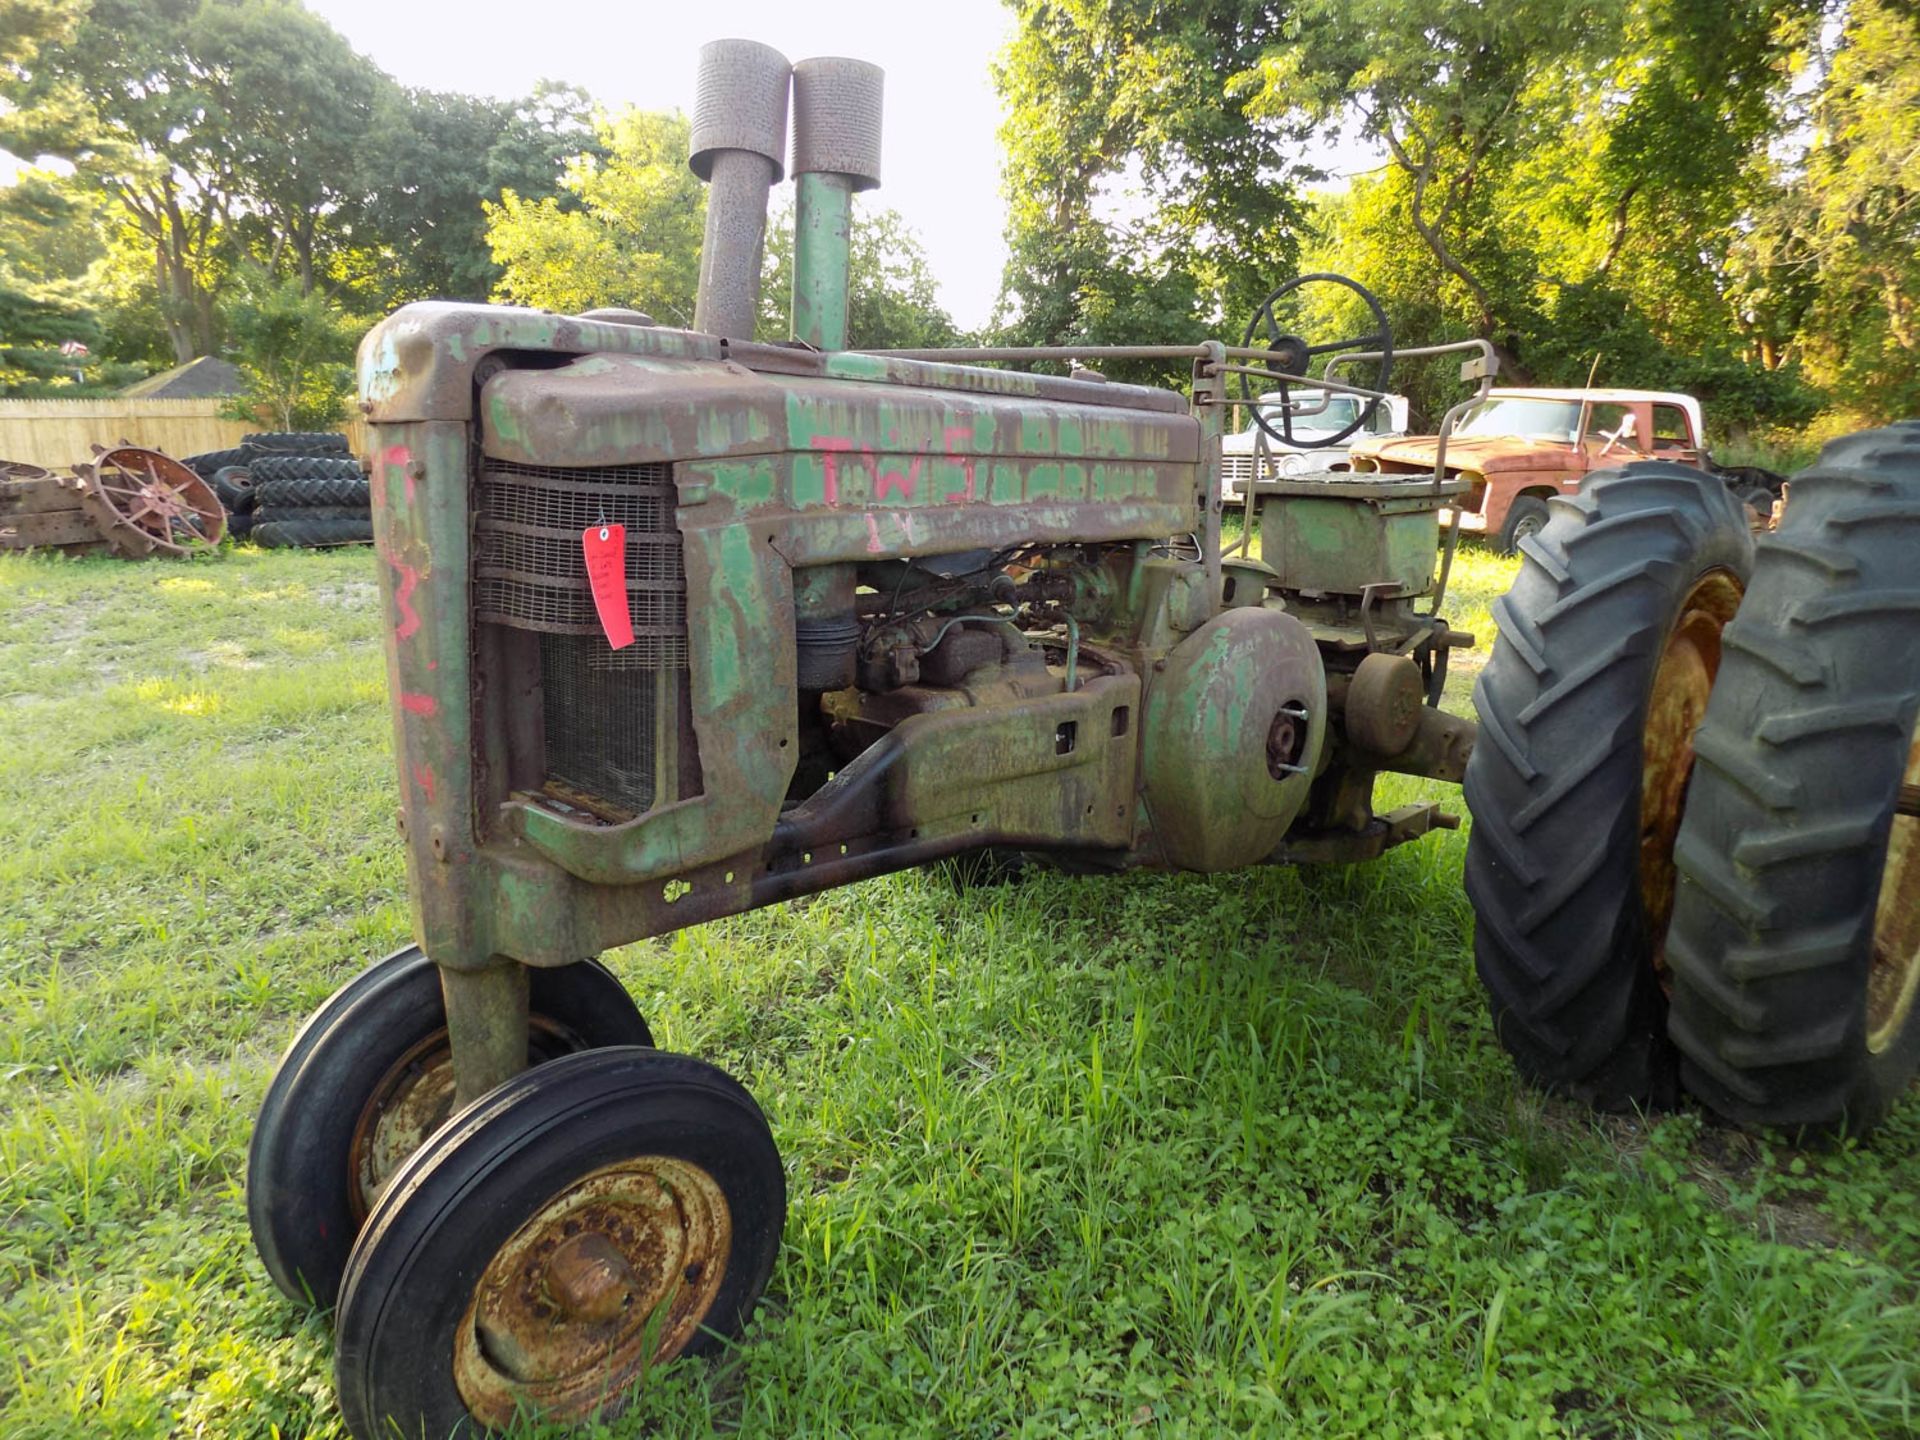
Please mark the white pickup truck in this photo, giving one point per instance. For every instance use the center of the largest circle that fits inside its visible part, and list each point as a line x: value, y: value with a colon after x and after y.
x: 1317, y: 415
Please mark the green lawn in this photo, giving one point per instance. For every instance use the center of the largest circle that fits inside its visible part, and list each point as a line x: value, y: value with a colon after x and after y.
x: 1147, y: 1156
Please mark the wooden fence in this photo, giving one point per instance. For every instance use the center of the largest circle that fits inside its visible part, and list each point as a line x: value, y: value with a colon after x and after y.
x: 59, y: 433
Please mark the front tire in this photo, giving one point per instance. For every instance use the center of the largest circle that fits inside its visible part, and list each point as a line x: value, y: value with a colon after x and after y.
x: 1796, y: 934
x: 1607, y: 647
x: 1526, y: 517
x: 367, y: 1077
x: 583, y: 1223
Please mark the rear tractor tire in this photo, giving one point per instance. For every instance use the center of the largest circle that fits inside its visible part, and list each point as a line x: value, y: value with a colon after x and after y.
x: 1608, y: 645
x: 1796, y: 933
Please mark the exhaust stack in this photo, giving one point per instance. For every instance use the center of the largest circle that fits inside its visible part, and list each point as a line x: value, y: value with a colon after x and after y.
x: 739, y: 137
x: 836, y: 151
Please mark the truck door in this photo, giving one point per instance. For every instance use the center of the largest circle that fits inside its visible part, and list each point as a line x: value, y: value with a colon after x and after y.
x: 1673, y: 437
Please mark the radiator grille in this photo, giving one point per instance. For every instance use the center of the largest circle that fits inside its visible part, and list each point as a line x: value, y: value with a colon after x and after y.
x: 609, y: 717
x: 528, y: 570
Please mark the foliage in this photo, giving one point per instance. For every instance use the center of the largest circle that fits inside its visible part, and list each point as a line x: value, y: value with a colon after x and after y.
x: 1127, y: 1155
x: 32, y: 330
x: 433, y: 156
x: 119, y: 96
x: 1841, y: 243
x: 232, y: 133
x: 295, y: 353
x: 892, y: 297
x: 1147, y: 196
x: 1701, y: 194
x: 628, y: 232
x: 295, y: 105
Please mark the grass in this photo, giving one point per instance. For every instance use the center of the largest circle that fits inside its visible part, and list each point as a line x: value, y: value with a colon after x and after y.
x: 1154, y: 1156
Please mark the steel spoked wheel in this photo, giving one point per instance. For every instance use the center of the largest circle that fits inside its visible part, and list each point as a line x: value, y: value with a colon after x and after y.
x: 1795, y: 945
x: 585, y: 1222
x: 146, y: 503
x: 366, y: 1080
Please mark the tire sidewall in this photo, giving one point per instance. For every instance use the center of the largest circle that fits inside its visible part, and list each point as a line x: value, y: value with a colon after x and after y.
x: 299, y: 1186
x: 470, y: 1188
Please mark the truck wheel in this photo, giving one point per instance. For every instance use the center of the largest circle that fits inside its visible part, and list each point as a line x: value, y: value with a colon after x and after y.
x: 366, y: 1079
x: 586, y: 1222
x: 1608, y: 645
x: 1796, y: 935
x: 1526, y: 516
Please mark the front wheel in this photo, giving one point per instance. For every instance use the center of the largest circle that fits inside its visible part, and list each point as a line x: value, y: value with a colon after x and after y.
x: 1608, y: 645
x: 1796, y: 936
x: 367, y: 1078
x: 587, y: 1221
x: 1526, y: 517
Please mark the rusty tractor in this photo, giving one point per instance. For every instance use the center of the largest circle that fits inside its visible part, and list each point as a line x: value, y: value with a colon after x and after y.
x: 681, y: 624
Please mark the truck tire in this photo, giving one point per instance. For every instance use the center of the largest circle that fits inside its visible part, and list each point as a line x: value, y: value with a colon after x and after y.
x: 308, y: 493
x: 303, y: 514
x: 204, y: 465
x: 311, y: 534
x: 1527, y: 515
x: 296, y: 442
x: 1796, y: 932
x: 1606, y: 648
x: 234, y: 485
x: 306, y: 467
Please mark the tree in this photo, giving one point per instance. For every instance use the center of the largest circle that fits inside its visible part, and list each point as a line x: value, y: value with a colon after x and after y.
x: 625, y: 230
x: 295, y: 352
x: 295, y: 105
x: 118, y: 95
x: 1841, y: 243
x: 892, y: 297
x: 1148, y: 196
x: 431, y: 160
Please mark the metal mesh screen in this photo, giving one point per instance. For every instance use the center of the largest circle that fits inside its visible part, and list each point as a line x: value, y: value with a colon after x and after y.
x: 600, y: 724
x: 609, y: 716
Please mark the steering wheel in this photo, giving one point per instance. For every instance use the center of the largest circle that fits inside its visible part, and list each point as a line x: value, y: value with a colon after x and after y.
x: 1291, y: 354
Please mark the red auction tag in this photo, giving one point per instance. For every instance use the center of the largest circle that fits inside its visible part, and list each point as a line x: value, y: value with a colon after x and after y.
x: 606, y: 552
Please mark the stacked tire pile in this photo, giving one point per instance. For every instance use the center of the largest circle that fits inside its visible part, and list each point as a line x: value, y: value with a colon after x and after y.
x: 295, y: 490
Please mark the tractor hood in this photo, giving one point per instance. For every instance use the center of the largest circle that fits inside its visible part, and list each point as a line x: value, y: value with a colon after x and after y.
x: 1483, y: 454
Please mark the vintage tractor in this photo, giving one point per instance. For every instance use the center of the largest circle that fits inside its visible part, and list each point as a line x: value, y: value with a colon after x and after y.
x: 682, y: 624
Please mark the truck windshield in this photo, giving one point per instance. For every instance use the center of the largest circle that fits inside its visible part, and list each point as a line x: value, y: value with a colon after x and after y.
x: 1341, y: 411
x: 1518, y: 415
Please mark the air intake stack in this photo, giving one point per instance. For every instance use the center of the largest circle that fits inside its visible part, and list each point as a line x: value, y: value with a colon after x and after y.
x: 836, y: 151
x: 739, y: 136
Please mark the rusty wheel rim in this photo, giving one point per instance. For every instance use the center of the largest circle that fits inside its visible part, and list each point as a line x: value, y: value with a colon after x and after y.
x: 154, y: 503
x: 1893, y: 978
x: 611, y: 1275
x: 412, y: 1100
x: 1677, y: 703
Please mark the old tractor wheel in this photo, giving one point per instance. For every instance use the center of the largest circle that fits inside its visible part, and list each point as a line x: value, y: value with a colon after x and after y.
x: 1608, y: 645
x: 367, y: 1078
x: 594, y: 1218
x: 1796, y: 934
x: 145, y: 503
x: 1527, y: 516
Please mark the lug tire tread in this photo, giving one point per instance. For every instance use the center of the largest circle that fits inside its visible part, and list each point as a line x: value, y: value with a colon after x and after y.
x: 1554, y: 787
x: 1784, y: 840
